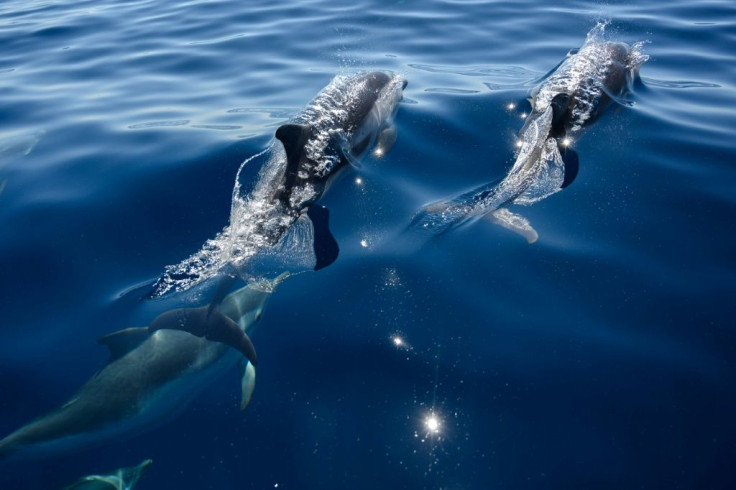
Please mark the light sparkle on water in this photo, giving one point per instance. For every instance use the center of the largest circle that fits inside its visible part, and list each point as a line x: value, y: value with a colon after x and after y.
x: 400, y: 342
x: 432, y: 423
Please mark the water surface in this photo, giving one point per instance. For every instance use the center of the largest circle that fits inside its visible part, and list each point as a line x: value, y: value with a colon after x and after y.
x: 599, y: 357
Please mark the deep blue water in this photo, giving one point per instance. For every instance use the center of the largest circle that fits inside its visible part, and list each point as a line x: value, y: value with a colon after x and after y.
x: 601, y: 356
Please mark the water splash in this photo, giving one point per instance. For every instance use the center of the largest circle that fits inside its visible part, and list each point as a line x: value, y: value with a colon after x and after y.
x: 528, y: 168
x: 584, y: 73
x: 256, y: 223
x: 538, y: 170
x: 268, y: 234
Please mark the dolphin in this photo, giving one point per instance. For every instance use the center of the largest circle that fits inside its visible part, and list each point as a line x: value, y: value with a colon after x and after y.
x: 121, y: 479
x: 153, y: 372
x: 570, y: 98
x: 273, y: 212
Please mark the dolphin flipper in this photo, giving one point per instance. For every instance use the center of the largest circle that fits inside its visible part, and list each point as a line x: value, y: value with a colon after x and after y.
x: 572, y: 166
x: 124, y: 341
x: 385, y: 141
x: 326, y: 248
x: 307, y: 245
x: 124, y: 478
x: 209, y: 324
x: 247, y: 383
x: 338, y: 145
x: 514, y: 222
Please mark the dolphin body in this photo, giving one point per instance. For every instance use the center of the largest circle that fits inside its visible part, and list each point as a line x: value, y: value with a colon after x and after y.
x: 121, y: 479
x: 273, y: 213
x: 151, y: 375
x: 570, y: 98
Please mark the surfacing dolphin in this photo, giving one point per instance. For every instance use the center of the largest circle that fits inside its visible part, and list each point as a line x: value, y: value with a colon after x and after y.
x: 273, y: 213
x: 152, y: 373
x: 121, y: 479
x: 570, y: 98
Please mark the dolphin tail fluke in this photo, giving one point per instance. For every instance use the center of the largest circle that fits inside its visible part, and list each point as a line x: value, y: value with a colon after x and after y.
x: 514, y: 222
x: 440, y: 217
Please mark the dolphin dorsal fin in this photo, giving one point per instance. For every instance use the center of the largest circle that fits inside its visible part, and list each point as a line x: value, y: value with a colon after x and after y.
x: 223, y: 329
x: 560, y: 105
x: 572, y: 165
x: 209, y: 324
x: 293, y: 137
x: 124, y: 341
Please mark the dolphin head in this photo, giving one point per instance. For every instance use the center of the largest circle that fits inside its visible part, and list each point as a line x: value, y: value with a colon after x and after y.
x: 618, y: 74
x: 376, y: 100
x: 389, y: 88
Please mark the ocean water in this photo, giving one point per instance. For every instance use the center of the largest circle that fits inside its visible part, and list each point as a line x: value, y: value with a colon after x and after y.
x: 601, y: 356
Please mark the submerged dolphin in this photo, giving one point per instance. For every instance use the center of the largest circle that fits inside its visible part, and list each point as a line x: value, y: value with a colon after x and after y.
x: 272, y: 212
x: 571, y: 97
x: 152, y: 373
x: 122, y: 479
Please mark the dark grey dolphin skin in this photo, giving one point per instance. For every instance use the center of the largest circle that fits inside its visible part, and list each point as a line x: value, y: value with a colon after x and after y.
x: 318, y: 147
x: 585, y: 84
x: 350, y: 117
x: 122, y: 479
x: 569, y: 99
x: 151, y: 375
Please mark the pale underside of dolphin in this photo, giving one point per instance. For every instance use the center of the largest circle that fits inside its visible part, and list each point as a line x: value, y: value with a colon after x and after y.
x: 152, y: 374
x: 570, y: 98
x: 274, y: 222
x: 121, y: 479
